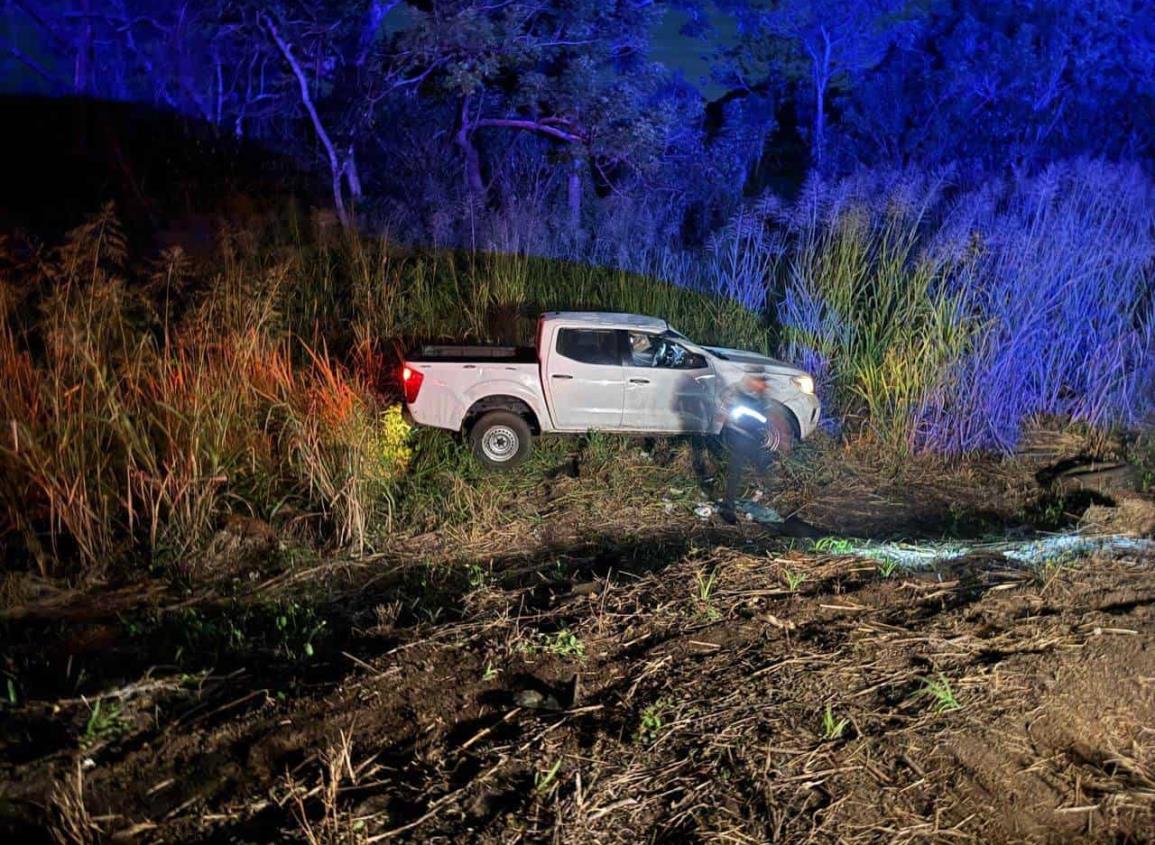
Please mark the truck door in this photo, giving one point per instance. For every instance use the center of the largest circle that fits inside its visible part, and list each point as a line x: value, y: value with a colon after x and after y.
x: 668, y: 387
x: 584, y: 379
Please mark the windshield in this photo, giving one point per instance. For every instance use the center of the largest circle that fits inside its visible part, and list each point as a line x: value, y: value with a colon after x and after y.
x: 677, y: 335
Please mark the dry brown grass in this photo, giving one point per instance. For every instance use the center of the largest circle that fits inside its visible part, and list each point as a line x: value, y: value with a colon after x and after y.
x: 129, y: 433
x: 69, y: 820
x: 331, y: 824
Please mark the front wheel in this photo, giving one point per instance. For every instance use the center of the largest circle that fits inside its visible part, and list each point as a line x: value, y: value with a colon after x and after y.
x: 501, y: 440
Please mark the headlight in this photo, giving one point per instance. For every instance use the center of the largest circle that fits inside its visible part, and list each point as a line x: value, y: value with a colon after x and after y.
x: 805, y: 384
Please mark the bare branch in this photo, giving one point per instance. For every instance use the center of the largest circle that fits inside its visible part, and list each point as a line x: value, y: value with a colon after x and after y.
x: 540, y: 127
x: 337, y: 168
x: 40, y: 70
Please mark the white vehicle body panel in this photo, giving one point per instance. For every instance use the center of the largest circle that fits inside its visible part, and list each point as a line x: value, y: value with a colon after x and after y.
x: 568, y: 395
x: 582, y: 396
x: 669, y: 400
x: 450, y: 389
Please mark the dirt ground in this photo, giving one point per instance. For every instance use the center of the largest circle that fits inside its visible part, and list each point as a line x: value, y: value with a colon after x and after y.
x: 632, y: 673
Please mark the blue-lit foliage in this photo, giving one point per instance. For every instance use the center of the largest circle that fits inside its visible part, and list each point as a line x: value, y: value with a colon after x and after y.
x: 795, y: 176
x: 954, y: 320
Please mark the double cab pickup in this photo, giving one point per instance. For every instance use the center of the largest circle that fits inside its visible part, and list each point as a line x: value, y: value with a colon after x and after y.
x: 589, y: 371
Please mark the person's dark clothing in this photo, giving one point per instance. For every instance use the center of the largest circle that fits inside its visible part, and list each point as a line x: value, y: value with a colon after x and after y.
x: 746, y: 449
x: 751, y: 441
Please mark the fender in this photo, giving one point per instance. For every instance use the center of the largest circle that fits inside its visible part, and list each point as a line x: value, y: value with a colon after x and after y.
x: 531, y: 396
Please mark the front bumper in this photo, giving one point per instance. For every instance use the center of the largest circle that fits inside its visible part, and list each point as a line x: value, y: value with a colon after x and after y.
x: 808, y: 410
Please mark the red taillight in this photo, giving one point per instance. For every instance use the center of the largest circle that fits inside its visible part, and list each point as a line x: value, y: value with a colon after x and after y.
x: 411, y: 380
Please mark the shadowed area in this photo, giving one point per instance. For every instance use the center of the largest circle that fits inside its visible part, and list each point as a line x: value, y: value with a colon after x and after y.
x: 173, y: 178
x: 442, y: 687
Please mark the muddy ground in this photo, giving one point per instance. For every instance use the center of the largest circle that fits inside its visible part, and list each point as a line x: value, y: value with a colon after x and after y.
x: 614, y: 669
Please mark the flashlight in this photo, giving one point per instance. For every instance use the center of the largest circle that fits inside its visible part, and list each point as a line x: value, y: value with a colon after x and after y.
x: 745, y: 411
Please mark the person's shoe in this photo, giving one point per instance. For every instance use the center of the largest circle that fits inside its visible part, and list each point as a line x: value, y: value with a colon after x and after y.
x: 728, y: 515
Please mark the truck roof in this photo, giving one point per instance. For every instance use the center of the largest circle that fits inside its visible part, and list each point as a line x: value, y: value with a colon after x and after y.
x: 608, y: 319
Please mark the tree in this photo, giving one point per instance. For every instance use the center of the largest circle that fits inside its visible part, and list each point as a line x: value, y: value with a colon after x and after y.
x: 988, y: 85
x: 816, y: 43
x: 342, y: 163
x: 572, y: 74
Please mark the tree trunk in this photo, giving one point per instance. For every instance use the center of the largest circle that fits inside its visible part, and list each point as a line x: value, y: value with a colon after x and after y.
x: 464, y: 139
x: 574, y: 194
x: 819, y: 126
x: 339, y: 202
x: 821, y: 82
x: 338, y: 169
x: 352, y: 177
x: 378, y: 9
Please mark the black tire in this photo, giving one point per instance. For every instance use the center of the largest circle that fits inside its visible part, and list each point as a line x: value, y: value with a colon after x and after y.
x: 501, y: 440
x: 788, y: 420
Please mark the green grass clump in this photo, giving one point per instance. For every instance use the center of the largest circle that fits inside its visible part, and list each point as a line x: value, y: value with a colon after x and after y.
x: 564, y: 643
x: 833, y: 728
x: 105, y: 721
x: 870, y: 300
x: 939, y: 691
x: 793, y: 580
x: 651, y: 723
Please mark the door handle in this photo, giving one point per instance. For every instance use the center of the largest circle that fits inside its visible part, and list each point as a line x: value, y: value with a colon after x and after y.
x: 639, y: 381
x: 561, y: 376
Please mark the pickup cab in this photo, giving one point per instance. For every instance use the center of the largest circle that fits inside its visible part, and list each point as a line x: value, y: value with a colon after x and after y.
x: 589, y: 371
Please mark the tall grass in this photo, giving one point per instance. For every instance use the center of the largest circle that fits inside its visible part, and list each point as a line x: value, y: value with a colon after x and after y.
x: 145, y: 397
x: 128, y: 433
x: 149, y: 397
x: 1060, y: 270
x: 948, y: 323
x: 865, y: 308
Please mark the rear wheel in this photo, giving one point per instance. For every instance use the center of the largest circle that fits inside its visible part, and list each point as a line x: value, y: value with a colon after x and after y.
x: 501, y: 440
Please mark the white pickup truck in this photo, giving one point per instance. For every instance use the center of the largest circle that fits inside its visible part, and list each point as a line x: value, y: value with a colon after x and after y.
x: 589, y: 371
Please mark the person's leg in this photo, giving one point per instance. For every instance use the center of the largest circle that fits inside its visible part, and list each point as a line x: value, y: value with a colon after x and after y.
x: 739, y: 456
x: 733, y: 478
x: 763, y: 461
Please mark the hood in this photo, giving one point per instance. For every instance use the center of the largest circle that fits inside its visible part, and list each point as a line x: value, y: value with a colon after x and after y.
x: 753, y: 362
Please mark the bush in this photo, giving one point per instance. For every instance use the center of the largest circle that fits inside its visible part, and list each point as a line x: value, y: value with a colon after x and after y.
x: 949, y: 323
x: 127, y: 433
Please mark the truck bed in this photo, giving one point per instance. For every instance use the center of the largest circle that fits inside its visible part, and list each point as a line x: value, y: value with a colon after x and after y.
x: 463, y: 354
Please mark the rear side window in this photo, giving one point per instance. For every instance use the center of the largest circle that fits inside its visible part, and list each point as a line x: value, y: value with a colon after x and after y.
x: 590, y: 346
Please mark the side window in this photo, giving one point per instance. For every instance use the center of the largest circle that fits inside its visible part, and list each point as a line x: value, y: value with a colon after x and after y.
x: 642, y: 347
x: 589, y: 346
x: 650, y: 350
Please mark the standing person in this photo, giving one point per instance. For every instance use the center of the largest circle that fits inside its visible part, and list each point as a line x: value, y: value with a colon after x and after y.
x: 754, y: 427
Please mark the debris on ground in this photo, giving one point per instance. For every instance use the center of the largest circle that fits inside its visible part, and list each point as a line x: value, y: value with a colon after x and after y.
x: 1130, y: 515
x: 1025, y: 553
x: 715, y: 682
x: 533, y: 699
x: 1103, y: 478
x: 758, y: 512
